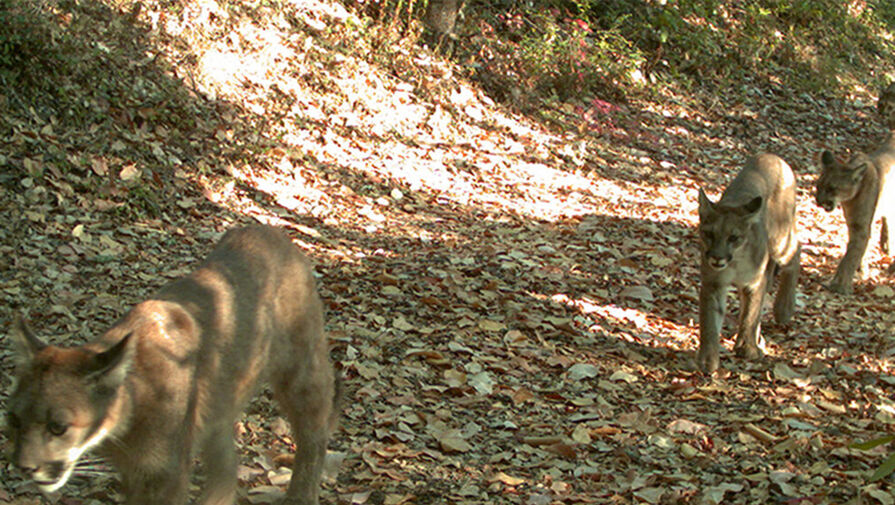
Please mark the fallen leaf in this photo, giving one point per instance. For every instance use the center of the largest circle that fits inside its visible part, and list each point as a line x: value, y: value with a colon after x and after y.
x: 621, y: 375
x: 685, y: 426
x: 715, y: 494
x: 581, y: 371
x: 883, y: 291
x: 489, y: 325
x: 638, y: 292
x: 506, y: 479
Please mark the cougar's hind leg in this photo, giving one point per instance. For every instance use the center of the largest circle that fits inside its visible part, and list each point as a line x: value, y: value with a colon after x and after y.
x: 887, y: 242
x: 772, y: 272
x: 785, y: 301
x: 885, y: 238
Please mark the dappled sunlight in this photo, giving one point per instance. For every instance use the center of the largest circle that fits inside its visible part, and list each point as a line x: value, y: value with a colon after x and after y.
x: 511, y: 288
x: 455, y: 149
x: 628, y: 324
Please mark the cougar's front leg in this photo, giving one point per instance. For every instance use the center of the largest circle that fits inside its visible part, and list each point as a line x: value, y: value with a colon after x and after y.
x: 158, y: 487
x: 155, y: 470
x: 712, y: 305
x: 852, y: 262
x: 220, y: 463
x: 306, y: 397
x: 751, y: 298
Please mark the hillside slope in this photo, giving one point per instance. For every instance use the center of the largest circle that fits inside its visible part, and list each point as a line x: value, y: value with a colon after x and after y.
x: 512, y: 302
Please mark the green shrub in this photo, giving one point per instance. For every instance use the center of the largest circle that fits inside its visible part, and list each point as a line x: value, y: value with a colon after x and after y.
x: 796, y: 42
x: 25, y: 38
x: 552, y: 53
x: 566, y: 48
x: 567, y: 58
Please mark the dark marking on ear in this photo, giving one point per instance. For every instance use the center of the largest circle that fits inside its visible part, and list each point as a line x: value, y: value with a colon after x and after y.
x: 27, y: 345
x: 753, y: 206
x: 706, y: 206
x: 858, y: 165
x: 109, y: 368
x: 827, y: 159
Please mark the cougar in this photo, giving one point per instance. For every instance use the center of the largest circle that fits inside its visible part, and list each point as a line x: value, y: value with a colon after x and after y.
x: 865, y: 190
x: 885, y: 106
x: 746, y: 237
x: 173, y: 374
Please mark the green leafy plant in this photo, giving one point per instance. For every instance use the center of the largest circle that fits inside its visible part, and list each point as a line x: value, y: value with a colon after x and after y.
x: 568, y: 48
x: 888, y: 466
x: 567, y: 57
x: 554, y: 53
x: 24, y: 37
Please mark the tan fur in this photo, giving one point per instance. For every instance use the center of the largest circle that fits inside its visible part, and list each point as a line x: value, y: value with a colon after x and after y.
x: 886, y: 106
x: 173, y: 374
x: 864, y: 189
x: 747, y: 235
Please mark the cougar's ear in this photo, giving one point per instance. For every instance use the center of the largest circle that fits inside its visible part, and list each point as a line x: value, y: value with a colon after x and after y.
x: 26, y: 344
x: 705, y: 205
x: 827, y: 159
x: 752, y: 208
x: 109, y: 368
x: 858, y: 165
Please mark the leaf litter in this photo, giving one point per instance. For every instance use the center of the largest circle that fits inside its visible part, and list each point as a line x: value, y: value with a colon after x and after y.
x: 513, y: 306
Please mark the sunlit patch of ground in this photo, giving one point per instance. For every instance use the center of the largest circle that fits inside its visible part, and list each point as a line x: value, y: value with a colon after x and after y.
x: 512, y: 304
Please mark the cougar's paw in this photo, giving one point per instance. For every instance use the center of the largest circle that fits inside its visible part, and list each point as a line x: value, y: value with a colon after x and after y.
x: 841, y: 287
x: 707, y: 360
x: 297, y: 501
x: 783, y: 312
x: 748, y: 351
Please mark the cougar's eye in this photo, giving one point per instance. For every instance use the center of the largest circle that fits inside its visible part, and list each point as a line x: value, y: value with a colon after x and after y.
x: 734, y: 239
x: 56, y: 429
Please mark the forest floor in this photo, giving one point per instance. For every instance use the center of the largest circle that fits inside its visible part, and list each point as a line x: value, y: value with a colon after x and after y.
x: 512, y: 302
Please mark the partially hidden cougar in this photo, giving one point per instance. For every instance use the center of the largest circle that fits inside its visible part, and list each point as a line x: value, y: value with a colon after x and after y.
x: 885, y: 106
x: 173, y: 374
x: 864, y: 188
x: 746, y: 237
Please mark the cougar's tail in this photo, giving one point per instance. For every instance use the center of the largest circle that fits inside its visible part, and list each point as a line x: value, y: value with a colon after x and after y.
x: 338, y: 391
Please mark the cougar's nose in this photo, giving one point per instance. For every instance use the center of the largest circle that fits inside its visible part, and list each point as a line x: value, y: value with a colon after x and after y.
x: 717, y: 263
x: 55, y: 469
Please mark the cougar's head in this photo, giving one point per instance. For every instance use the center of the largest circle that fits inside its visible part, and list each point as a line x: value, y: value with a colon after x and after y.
x: 839, y: 182
x: 723, y: 229
x: 886, y: 106
x: 63, y: 404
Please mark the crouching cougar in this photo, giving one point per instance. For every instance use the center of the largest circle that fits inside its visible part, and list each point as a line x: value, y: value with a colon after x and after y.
x: 746, y: 237
x: 174, y: 373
